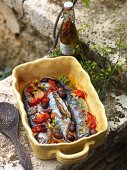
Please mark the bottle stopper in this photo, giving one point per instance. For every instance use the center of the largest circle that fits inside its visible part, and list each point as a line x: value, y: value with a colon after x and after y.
x: 68, y: 5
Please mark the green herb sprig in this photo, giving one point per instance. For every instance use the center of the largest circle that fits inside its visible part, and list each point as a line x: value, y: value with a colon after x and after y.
x: 64, y: 79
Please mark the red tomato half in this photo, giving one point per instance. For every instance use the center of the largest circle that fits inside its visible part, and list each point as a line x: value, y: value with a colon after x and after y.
x: 41, y: 118
x: 45, y: 100
x: 91, y: 121
x: 80, y: 93
x: 34, y: 102
x: 52, y: 85
x: 39, y: 128
x: 29, y: 90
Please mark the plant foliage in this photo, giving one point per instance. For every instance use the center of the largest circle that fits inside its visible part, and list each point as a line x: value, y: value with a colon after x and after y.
x: 86, y: 2
x: 100, y: 69
x: 6, y: 72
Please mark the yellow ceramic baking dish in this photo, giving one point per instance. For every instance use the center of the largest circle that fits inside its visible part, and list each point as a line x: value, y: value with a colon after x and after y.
x: 55, y: 67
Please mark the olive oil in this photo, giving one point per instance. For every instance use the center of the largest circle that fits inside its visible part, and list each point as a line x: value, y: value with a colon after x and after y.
x: 68, y: 36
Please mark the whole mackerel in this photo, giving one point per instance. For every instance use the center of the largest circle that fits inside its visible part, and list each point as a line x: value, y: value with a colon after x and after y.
x: 62, y: 117
x: 78, y: 109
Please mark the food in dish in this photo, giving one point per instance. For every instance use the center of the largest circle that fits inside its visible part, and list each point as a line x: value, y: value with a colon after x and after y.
x: 57, y: 111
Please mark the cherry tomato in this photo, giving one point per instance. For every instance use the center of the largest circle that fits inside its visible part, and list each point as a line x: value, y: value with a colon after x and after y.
x: 45, y: 100
x: 34, y: 102
x: 29, y: 90
x: 41, y: 118
x: 52, y: 85
x: 91, y: 121
x: 39, y: 128
x: 89, y: 116
x: 80, y: 93
x: 93, y: 125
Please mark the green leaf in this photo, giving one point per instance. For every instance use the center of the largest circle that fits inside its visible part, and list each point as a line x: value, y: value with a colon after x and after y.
x: 1, y: 73
x: 86, y: 2
x: 8, y: 70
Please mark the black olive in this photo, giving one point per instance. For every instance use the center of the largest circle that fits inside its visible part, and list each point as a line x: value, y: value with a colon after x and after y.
x: 44, y: 105
x: 92, y: 131
x: 58, y: 135
x: 72, y: 127
x: 45, y: 79
x: 43, y: 128
x: 60, y: 84
x: 36, y: 136
x: 70, y: 137
x: 62, y: 92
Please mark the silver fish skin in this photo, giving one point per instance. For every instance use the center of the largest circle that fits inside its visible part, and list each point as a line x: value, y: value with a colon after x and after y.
x: 79, y: 109
x: 45, y: 85
x: 28, y: 109
x: 53, y: 105
x: 62, y: 106
x: 61, y: 123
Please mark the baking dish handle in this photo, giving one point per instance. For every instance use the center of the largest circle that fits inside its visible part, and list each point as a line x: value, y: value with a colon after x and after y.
x: 73, y: 158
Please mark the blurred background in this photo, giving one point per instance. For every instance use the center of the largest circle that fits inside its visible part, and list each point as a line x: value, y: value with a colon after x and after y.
x: 17, y: 48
